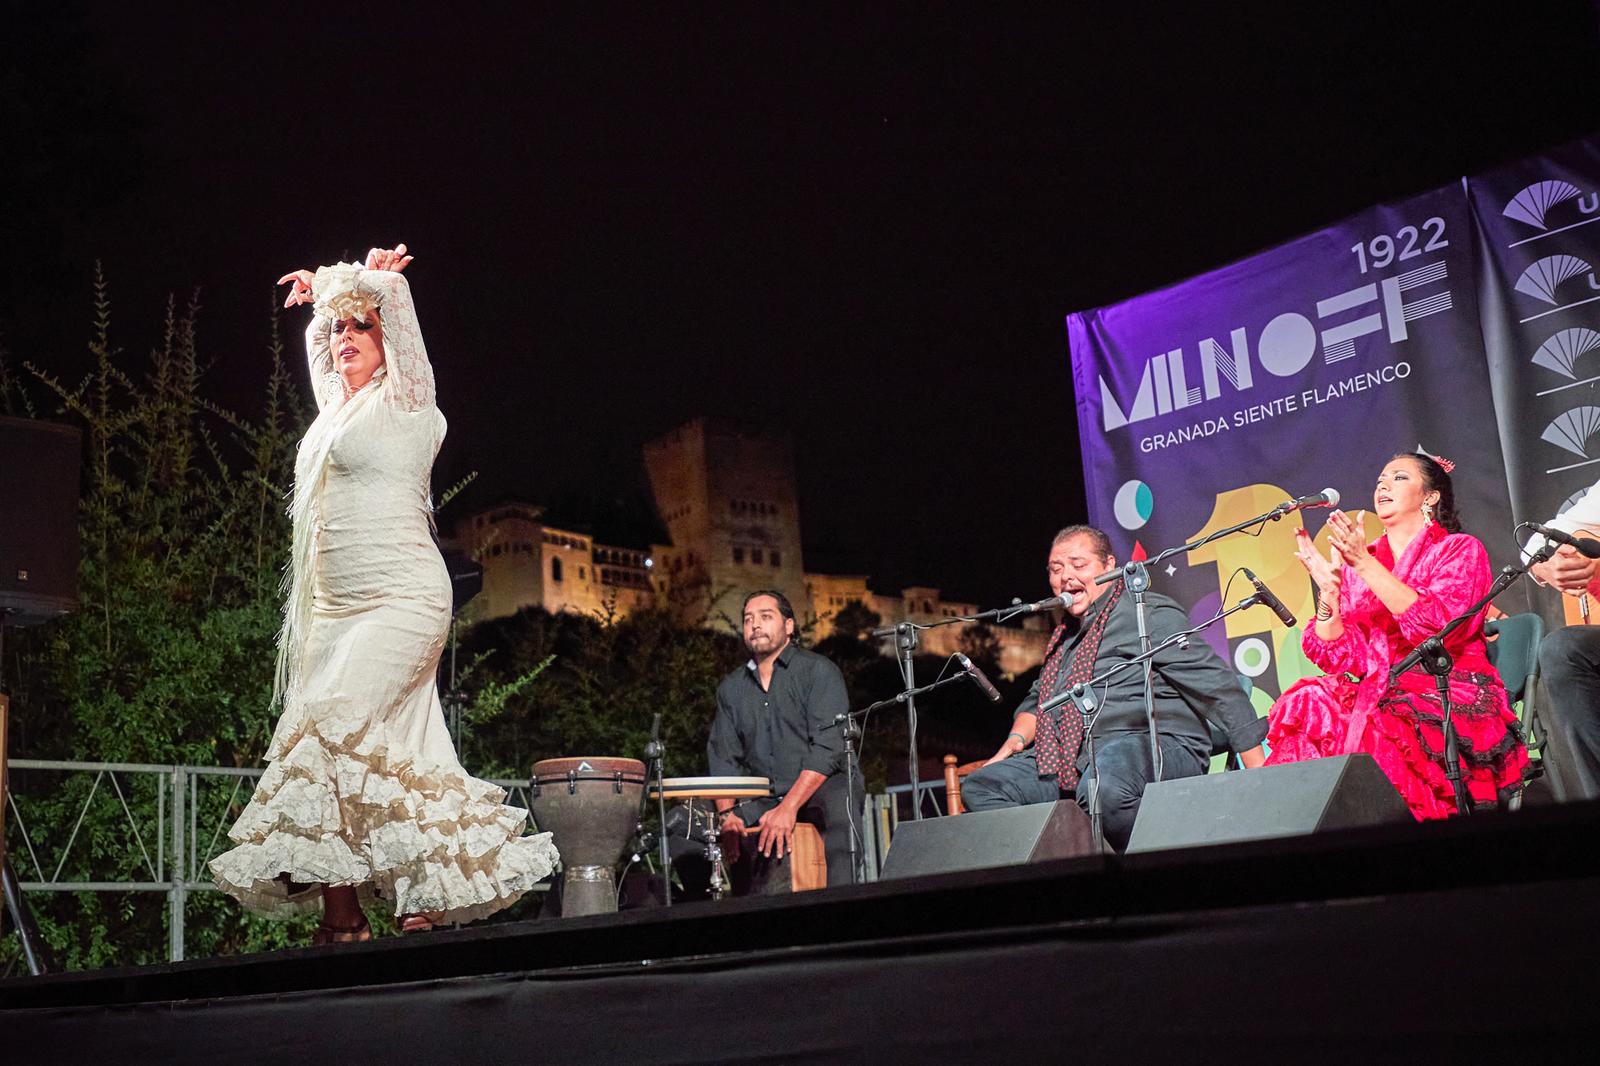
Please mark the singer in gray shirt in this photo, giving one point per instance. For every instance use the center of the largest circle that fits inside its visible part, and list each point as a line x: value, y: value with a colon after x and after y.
x: 1192, y: 686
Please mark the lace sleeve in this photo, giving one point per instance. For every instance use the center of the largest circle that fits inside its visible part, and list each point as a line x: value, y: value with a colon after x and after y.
x: 348, y: 289
x: 325, y: 386
x: 410, y: 374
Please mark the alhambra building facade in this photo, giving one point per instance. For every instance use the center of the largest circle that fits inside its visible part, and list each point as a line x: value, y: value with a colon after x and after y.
x: 726, y: 495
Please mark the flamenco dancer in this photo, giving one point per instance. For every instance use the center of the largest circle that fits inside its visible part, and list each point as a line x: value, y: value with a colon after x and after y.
x: 363, y: 792
x: 1375, y: 603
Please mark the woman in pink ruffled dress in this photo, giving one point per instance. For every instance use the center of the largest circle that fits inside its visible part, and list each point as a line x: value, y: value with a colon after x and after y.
x: 363, y: 793
x: 1375, y: 604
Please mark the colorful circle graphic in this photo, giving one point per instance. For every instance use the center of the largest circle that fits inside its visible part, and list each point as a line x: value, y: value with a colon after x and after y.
x: 1133, y: 504
x: 1252, y: 657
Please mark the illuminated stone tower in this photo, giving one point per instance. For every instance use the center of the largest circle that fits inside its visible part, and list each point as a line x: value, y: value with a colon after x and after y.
x: 727, y: 495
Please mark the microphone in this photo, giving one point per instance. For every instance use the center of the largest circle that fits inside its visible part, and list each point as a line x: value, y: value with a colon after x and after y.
x: 1266, y: 596
x: 1587, y: 546
x: 1325, y: 498
x: 653, y: 750
x: 1051, y: 604
x: 977, y: 678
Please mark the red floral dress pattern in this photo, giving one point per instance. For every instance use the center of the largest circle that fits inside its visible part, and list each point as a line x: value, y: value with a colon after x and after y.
x: 1356, y: 709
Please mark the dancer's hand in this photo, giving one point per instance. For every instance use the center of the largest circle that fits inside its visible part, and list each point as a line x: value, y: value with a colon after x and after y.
x: 300, y: 291
x: 394, y: 259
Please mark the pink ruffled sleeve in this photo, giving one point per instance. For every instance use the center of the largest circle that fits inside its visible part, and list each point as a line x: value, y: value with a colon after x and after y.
x: 1345, y: 652
x: 1454, y: 575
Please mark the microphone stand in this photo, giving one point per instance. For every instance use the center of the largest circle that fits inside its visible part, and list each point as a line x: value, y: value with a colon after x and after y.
x: 1136, y: 576
x: 656, y: 752
x: 1083, y: 699
x: 851, y: 732
x: 905, y: 637
x: 1435, y: 659
x: 905, y: 641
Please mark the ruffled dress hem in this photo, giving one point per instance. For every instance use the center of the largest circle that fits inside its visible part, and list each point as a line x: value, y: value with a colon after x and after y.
x: 1310, y: 722
x: 337, y: 809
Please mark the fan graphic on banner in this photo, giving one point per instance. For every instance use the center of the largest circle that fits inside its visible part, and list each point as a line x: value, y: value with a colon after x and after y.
x: 1541, y: 321
x: 1464, y: 318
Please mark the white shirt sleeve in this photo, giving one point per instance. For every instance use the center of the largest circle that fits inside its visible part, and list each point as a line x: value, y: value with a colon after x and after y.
x: 1585, y: 514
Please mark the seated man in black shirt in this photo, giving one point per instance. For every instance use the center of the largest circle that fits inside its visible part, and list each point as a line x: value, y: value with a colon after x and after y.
x: 1042, y: 761
x: 775, y: 718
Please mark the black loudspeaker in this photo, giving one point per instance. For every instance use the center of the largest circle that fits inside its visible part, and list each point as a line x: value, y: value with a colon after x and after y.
x: 1273, y: 801
x: 39, y: 464
x: 1035, y: 833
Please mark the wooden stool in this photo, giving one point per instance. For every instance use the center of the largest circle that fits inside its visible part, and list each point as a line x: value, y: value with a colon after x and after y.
x: 952, y: 782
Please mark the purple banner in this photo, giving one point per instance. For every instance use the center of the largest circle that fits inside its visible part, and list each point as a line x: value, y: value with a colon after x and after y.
x: 1302, y: 368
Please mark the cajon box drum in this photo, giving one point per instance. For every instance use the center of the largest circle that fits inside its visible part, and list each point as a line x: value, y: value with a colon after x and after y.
x: 806, y: 864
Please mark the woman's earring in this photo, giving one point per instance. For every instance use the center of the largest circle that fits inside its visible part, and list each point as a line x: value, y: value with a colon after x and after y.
x: 1427, y: 512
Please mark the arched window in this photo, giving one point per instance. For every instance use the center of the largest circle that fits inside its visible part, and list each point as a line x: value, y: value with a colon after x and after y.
x: 555, y: 569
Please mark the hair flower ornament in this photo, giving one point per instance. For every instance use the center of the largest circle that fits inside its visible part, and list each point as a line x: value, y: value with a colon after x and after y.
x: 352, y: 304
x: 1444, y: 464
x: 340, y: 293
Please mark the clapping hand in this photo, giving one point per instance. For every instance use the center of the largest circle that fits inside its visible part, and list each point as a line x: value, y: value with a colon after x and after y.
x: 394, y: 259
x: 1325, y: 572
x: 1349, y: 539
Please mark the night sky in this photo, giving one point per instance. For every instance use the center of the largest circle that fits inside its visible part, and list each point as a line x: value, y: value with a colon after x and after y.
x: 865, y: 228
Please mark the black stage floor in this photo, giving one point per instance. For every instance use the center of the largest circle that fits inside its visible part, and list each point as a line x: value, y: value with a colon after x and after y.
x: 1412, y: 943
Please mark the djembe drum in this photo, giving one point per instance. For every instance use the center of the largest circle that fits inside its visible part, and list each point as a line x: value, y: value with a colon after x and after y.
x: 591, y: 807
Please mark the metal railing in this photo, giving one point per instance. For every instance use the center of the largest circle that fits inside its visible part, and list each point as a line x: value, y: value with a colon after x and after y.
x: 170, y: 858
x: 177, y: 820
x: 929, y: 793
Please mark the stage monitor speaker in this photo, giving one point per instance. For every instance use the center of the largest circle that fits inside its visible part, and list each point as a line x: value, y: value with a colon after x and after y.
x: 1035, y: 833
x: 1273, y: 801
x: 39, y: 531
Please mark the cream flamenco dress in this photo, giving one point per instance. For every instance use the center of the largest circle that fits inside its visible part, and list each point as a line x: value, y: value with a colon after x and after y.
x: 363, y: 786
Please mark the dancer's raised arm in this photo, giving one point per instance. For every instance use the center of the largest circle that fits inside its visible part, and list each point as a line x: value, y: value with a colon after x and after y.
x: 348, y: 290
x: 325, y: 386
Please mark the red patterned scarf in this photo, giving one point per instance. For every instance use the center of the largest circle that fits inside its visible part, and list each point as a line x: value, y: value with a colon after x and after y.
x: 1057, y: 738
